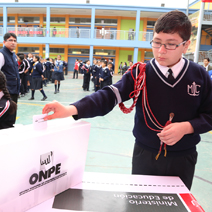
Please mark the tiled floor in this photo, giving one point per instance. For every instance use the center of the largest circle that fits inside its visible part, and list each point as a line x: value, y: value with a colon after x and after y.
x: 111, y: 140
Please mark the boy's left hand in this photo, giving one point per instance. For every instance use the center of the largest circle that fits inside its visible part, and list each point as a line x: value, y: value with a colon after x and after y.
x: 172, y: 133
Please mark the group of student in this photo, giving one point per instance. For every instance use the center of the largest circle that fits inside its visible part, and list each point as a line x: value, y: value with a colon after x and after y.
x: 124, y: 67
x: 100, y: 73
x: 36, y: 72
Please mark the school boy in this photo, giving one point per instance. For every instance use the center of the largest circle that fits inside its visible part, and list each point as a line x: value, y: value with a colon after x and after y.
x: 110, y: 67
x: 21, y: 70
x: 105, y: 75
x: 87, y: 75
x: 174, y: 85
x: 96, y: 72
x: 37, y: 76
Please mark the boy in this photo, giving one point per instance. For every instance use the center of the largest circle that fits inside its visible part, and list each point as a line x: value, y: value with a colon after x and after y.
x: 105, y: 75
x: 206, y: 64
x: 174, y: 85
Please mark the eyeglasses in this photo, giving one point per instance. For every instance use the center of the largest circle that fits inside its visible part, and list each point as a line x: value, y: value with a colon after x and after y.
x: 168, y: 46
x: 12, y: 41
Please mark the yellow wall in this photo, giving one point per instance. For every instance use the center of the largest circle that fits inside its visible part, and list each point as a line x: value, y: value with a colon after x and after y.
x: 198, y: 4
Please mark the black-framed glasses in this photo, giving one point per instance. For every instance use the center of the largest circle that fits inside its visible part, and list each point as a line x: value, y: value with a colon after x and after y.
x: 168, y: 46
x: 10, y: 40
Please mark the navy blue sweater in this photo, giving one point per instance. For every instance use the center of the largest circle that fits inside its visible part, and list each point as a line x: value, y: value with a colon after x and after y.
x: 189, y: 97
x: 37, y: 70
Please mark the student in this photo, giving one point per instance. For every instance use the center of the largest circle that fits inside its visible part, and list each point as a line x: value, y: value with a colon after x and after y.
x: 105, y: 75
x: 96, y: 74
x: 111, y: 61
x: 124, y: 68
x: 87, y: 74
x: 48, y: 65
x: 110, y: 67
x: 206, y: 64
x: 173, y: 85
x: 37, y: 76
x: 21, y: 70
x: 7, y: 106
x: 76, y: 69
x: 58, y: 73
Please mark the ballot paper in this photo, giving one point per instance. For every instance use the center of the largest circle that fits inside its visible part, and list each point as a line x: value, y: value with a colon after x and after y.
x: 39, y: 123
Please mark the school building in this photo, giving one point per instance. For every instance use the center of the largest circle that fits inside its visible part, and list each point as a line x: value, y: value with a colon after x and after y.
x: 87, y: 31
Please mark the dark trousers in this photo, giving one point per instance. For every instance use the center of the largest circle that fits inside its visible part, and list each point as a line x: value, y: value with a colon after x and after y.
x: 144, y: 163
x: 75, y: 72
x: 14, y: 97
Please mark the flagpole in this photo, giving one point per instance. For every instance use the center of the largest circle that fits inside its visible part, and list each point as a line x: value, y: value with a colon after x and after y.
x: 201, y: 14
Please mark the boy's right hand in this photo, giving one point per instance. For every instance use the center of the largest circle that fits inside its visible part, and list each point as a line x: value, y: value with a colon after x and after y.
x: 59, y: 110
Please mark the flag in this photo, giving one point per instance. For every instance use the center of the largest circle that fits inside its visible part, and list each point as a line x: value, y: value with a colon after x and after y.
x: 206, y: 0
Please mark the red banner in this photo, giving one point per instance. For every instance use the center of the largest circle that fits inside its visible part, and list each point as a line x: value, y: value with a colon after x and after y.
x: 206, y: 0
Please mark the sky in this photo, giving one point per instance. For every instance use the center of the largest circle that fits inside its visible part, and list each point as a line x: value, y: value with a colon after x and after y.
x: 150, y: 3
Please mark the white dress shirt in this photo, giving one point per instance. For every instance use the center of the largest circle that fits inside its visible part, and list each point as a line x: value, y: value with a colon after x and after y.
x: 176, y: 68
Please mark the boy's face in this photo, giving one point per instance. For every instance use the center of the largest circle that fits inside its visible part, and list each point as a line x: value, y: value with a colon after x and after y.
x: 205, y: 62
x: 167, y: 57
x: 109, y: 66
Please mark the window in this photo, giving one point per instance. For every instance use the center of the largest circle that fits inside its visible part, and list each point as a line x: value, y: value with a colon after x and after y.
x: 58, y: 20
x: 22, y: 19
x: 83, y: 21
x: 57, y: 50
x: 79, y: 51
x: 148, y: 55
x: 105, y: 52
x: 112, y: 22
x: 150, y: 24
x: 11, y: 19
x: 28, y: 50
x: 1, y: 19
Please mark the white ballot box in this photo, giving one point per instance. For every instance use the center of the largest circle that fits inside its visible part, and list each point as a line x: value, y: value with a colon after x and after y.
x: 102, y: 192
x: 38, y: 164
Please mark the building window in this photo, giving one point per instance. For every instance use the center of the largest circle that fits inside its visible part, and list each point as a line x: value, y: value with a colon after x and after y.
x: 83, y: 21
x: 11, y: 19
x: 112, y: 22
x: 79, y: 51
x: 57, y: 50
x: 150, y: 24
x: 33, y: 50
x: 104, y: 52
x: 58, y: 20
x: 28, y: 20
x: 1, y: 19
x: 148, y: 55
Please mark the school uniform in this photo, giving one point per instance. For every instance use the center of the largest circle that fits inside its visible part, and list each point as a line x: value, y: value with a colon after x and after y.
x: 111, y: 77
x: 21, y: 69
x: 58, y: 70
x: 48, y: 66
x: 30, y: 60
x: 6, y: 120
x: 96, y: 72
x: 86, y: 78
x: 37, y: 83
x: 105, y: 75
x: 188, y: 96
x: 26, y: 75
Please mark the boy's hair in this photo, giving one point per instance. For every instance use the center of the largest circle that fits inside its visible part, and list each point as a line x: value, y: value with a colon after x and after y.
x: 8, y: 35
x: 37, y: 57
x: 207, y: 59
x: 3, y: 87
x: 174, y: 22
x: 21, y: 56
x: 110, y: 63
x: 105, y: 62
x: 111, y: 59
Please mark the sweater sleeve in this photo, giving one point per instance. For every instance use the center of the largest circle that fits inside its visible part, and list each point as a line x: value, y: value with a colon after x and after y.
x: 203, y: 121
x: 103, y: 101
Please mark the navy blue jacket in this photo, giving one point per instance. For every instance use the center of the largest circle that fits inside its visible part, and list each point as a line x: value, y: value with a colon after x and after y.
x: 37, y: 70
x: 105, y: 74
x: 96, y: 71
x: 189, y: 97
x: 10, y: 70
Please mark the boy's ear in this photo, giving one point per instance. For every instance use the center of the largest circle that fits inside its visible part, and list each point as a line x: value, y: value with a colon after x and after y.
x: 186, y: 46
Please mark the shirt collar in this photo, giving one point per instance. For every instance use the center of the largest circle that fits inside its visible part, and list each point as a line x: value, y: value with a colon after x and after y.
x: 1, y: 94
x: 176, y: 68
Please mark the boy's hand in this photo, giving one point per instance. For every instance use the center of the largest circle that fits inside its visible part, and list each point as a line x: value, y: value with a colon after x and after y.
x: 59, y: 110
x: 172, y: 133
